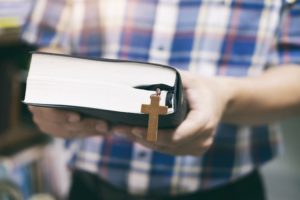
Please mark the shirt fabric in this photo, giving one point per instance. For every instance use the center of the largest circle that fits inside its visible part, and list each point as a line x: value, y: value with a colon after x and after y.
x: 211, y: 37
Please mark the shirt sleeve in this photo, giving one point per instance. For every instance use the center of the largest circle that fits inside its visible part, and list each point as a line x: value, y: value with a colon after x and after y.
x: 48, y: 24
x: 286, y: 47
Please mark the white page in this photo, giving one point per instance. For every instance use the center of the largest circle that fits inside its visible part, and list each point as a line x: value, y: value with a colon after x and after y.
x: 122, y: 99
x: 53, y: 67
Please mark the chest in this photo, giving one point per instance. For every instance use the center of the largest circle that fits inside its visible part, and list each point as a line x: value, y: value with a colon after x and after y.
x: 179, y: 32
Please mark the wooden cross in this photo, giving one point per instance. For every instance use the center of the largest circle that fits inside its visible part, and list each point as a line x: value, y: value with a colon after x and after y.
x: 154, y: 110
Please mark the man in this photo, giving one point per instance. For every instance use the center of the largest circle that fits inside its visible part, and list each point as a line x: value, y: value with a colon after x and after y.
x: 238, y: 61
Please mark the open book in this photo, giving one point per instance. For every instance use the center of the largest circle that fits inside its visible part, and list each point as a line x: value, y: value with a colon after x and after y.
x: 113, y: 90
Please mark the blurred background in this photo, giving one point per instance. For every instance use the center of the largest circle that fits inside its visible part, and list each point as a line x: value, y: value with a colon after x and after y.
x: 30, y: 163
x: 28, y: 160
x: 282, y: 176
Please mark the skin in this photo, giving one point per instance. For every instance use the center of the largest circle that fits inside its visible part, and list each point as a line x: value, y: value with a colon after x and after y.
x: 272, y: 96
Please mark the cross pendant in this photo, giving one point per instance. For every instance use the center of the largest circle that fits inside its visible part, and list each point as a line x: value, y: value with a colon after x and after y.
x: 154, y: 110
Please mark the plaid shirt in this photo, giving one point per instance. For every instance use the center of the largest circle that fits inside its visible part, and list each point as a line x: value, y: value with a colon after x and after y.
x: 209, y: 37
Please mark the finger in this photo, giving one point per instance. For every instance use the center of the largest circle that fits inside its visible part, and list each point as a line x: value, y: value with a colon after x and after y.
x: 87, y: 127
x: 196, y: 148
x: 102, y: 126
x: 130, y: 131
x: 165, y: 137
x: 54, y: 115
x: 156, y: 146
x: 136, y: 134
x: 150, y: 145
x: 194, y: 124
x: 53, y: 129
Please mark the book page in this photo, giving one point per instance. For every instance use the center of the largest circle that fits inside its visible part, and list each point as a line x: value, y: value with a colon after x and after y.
x: 57, y: 68
x: 98, y: 96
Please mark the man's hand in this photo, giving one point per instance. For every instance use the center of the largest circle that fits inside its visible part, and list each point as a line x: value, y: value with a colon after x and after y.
x: 207, y: 100
x: 271, y: 96
x: 66, y: 124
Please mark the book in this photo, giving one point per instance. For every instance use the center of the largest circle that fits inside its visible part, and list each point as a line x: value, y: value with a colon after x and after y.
x: 108, y: 89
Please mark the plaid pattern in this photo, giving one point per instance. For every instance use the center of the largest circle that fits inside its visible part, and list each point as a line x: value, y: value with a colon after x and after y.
x: 210, y: 37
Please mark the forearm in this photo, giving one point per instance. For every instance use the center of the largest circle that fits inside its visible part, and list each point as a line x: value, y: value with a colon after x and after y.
x: 271, y: 96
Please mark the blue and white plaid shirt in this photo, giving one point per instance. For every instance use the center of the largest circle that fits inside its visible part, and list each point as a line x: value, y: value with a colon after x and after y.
x: 209, y: 37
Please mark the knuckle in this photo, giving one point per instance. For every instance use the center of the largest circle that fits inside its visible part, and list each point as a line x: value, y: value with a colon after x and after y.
x: 51, y: 111
x: 55, y: 115
x: 90, y: 125
x: 70, y: 127
x: 210, y: 126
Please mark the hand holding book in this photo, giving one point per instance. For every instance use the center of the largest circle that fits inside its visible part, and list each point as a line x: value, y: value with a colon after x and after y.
x: 67, y: 124
x: 114, y: 90
x: 207, y: 100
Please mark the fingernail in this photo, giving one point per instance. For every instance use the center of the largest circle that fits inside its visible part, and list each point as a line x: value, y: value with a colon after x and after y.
x: 101, y: 127
x: 74, y: 118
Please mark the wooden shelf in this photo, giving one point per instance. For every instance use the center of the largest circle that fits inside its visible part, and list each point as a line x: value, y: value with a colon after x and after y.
x: 20, y: 138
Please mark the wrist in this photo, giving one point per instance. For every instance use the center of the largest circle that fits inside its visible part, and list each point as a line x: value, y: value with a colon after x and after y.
x: 232, y: 90
x: 245, y: 100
